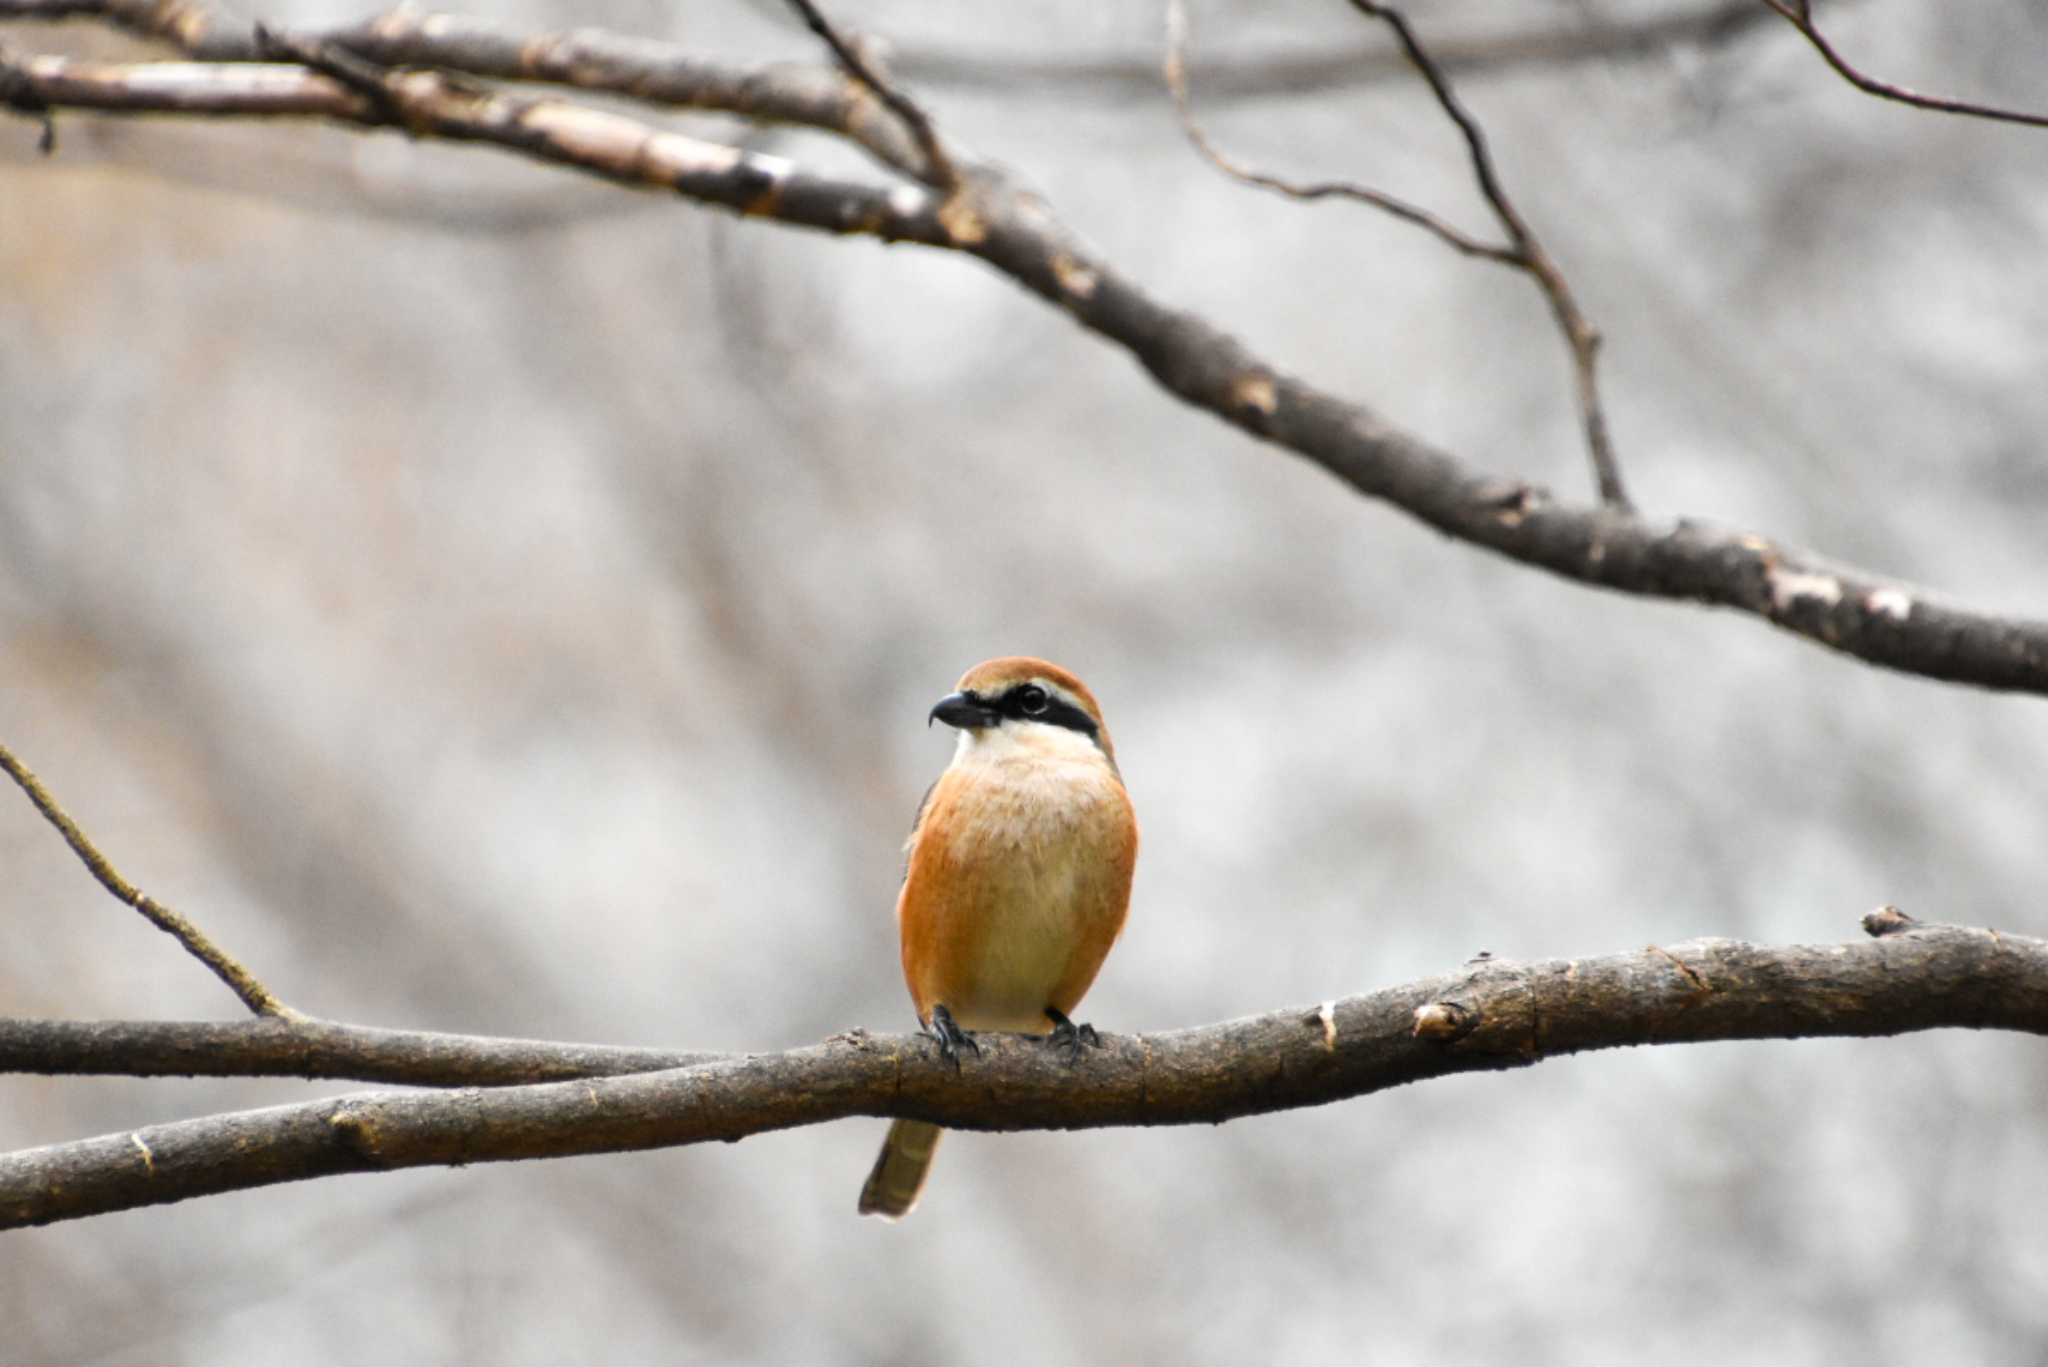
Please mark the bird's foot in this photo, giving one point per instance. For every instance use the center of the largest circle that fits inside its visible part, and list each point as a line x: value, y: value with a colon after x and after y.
x: 952, y: 1039
x: 1069, y: 1037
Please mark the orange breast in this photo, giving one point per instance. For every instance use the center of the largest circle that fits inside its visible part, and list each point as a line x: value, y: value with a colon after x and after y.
x: 1019, y: 878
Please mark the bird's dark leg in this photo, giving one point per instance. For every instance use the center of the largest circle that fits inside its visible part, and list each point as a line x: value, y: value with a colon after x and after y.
x: 952, y: 1039
x: 1068, y: 1036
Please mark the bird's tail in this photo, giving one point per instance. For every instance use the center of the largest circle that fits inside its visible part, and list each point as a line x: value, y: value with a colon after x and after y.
x: 900, y: 1169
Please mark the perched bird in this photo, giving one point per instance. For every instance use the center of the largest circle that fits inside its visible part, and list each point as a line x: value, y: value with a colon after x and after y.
x: 1017, y: 883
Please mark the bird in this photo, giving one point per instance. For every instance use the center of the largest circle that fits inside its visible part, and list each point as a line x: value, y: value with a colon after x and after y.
x: 1016, y: 884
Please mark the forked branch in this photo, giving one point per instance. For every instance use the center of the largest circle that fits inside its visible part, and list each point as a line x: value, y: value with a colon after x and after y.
x: 1523, y: 250
x: 938, y: 169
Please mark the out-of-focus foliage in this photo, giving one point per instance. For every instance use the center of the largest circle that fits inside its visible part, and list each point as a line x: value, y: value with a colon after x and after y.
x: 494, y: 602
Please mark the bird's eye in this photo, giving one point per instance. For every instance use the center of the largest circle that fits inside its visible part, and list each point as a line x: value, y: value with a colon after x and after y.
x: 1031, y: 700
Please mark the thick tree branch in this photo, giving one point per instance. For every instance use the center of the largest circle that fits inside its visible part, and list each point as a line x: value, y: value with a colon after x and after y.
x: 1855, y: 611
x: 224, y: 966
x: 1493, y: 1015
x: 309, y: 1048
x: 428, y: 104
x: 652, y: 72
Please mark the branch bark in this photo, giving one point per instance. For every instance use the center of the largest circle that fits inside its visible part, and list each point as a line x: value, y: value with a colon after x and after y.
x: 645, y: 70
x: 1492, y: 1015
x: 310, y: 1048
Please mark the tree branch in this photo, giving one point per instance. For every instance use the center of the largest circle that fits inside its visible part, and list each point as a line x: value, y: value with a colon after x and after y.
x: 310, y: 1048
x: 1580, y: 335
x: 1878, y: 620
x: 651, y: 72
x: 1304, y: 72
x: 428, y: 104
x: 1524, y: 251
x: 224, y: 966
x: 660, y: 73
x: 938, y: 169
x: 1492, y: 1015
x: 1176, y: 65
x: 1798, y: 13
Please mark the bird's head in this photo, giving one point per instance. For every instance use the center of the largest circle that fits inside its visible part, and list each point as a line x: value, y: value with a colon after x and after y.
x: 1019, y: 702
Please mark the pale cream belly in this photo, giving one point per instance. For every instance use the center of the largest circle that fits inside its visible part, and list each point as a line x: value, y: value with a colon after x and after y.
x: 1019, y: 887
x: 1031, y: 920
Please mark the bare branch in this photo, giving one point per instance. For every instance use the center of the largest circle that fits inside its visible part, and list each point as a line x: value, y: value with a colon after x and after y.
x: 188, y: 24
x: 1304, y: 72
x: 308, y: 1048
x: 1494, y: 1015
x: 1523, y: 252
x: 428, y: 104
x: 1580, y: 335
x: 240, y: 980
x: 1799, y: 14
x: 1177, y: 83
x: 586, y: 59
x: 939, y: 169
x: 1847, y: 609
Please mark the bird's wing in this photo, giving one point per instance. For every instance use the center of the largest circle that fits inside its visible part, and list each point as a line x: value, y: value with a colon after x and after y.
x: 917, y: 824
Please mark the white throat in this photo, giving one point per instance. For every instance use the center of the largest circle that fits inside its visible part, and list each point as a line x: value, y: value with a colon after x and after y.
x: 1013, y: 741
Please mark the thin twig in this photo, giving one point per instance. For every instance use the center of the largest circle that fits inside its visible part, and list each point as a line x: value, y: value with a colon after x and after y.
x: 1523, y: 251
x: 1580, y: 334
x: 1800, y: 17
x: 589, y: 57
x: 240, y: 981
x: 359, y: 74
x: 940, y: 171
x: 1303, y: 71
x: 1177, y: 83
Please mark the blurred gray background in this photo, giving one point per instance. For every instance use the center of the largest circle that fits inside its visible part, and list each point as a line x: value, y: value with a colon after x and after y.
x: 493, y: 602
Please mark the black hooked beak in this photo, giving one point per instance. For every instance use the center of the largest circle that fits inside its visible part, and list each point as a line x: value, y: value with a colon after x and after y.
x: 963, y: 710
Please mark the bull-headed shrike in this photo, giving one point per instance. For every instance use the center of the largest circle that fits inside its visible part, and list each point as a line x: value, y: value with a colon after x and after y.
x: 1017, y: 883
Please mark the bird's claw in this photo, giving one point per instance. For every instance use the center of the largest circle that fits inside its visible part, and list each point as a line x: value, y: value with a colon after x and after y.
x: 952, y: 1039
x: 1068, y: 1037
